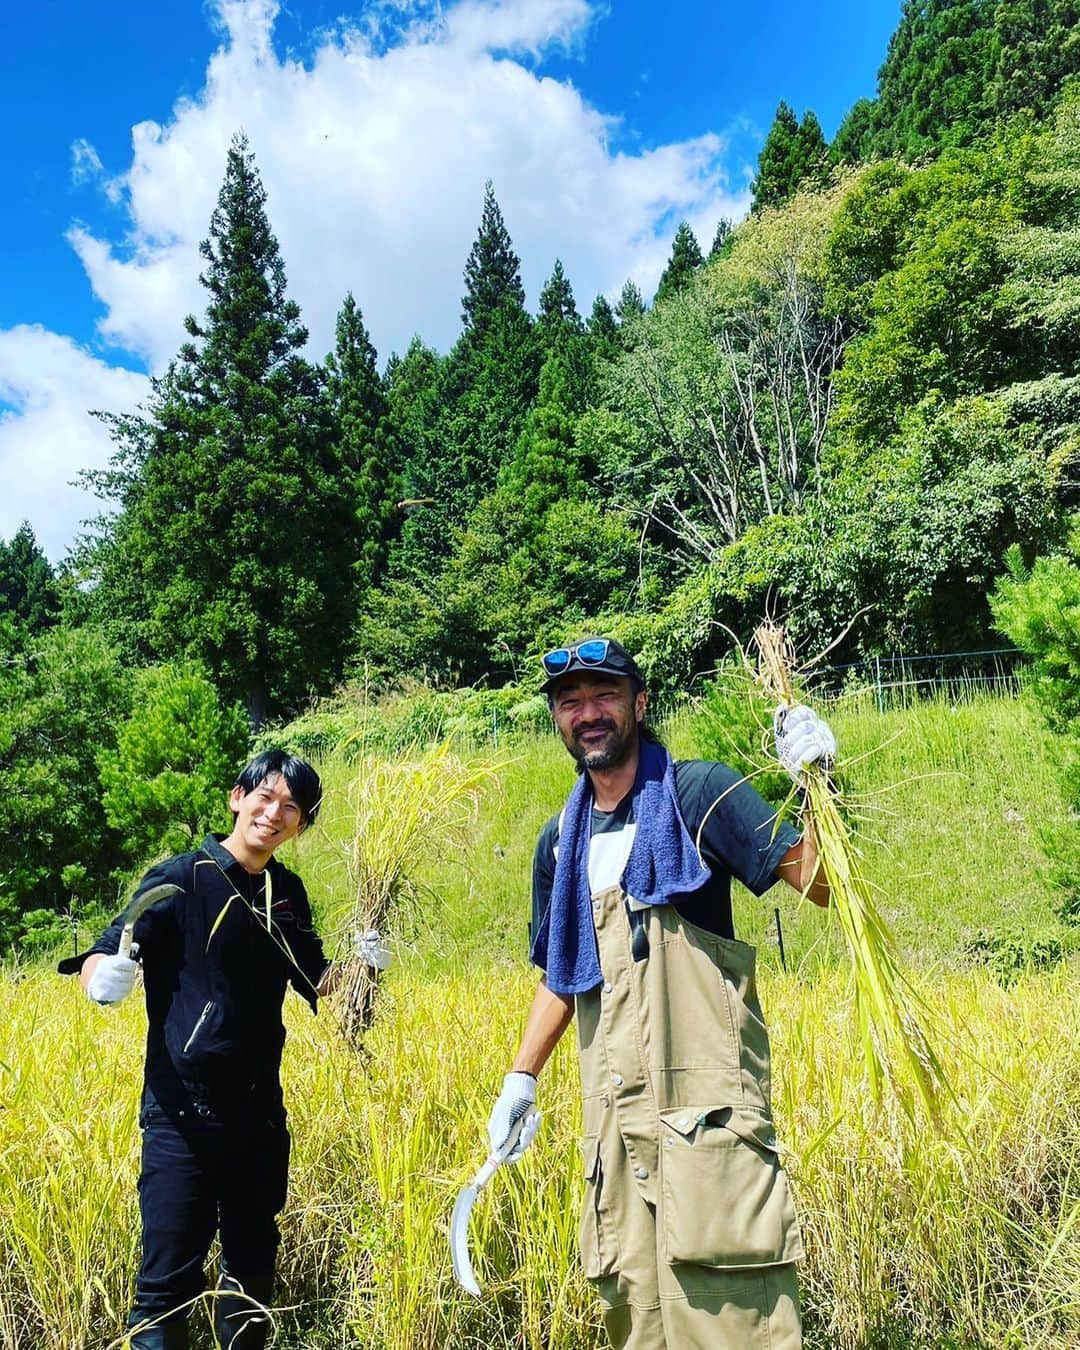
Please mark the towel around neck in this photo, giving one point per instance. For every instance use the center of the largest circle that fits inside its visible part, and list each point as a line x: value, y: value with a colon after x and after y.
x: 663, y: 863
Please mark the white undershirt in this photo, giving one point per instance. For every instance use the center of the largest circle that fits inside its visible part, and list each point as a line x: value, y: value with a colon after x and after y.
x: 609, y: 853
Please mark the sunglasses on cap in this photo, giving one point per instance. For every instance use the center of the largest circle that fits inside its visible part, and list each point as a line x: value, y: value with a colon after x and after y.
x: 591, y: 653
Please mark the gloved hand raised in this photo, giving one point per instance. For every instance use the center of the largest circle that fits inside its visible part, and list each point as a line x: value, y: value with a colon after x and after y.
x: 516, y: 1102
x: 802, y: 738
x: 112, y: 979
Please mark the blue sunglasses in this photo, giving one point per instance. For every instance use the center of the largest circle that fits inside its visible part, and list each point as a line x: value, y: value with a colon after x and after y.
x: 592, y: 653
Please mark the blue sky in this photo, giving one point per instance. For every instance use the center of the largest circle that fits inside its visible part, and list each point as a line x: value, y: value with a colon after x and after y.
x: 374, y: 127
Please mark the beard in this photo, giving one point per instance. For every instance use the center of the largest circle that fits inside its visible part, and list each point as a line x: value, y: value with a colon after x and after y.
x: 613, y: 751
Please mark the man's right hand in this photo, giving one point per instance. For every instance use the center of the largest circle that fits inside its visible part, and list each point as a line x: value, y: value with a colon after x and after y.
x: 112, y: 979
x: 516, y: 1102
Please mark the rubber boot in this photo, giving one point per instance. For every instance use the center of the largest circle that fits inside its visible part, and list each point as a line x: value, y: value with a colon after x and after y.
x: 238, y: 1323
x: 171, y: 1335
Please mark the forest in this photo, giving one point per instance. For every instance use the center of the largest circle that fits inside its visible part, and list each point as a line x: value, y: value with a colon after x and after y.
x: 844, y: 410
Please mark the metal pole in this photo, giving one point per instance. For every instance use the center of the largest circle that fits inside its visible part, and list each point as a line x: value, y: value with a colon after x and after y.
x: 780, y: 940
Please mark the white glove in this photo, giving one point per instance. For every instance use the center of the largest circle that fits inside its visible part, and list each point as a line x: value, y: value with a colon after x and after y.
x: 112, y: 979
x: 371, y: 949
x: 802, y: 738
x: 516, y: 1101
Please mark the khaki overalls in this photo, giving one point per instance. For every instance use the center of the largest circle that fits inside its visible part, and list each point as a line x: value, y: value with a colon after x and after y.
x: 688, y: 1229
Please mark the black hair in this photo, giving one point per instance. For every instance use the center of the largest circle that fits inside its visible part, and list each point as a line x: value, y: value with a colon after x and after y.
x: 303, y: 781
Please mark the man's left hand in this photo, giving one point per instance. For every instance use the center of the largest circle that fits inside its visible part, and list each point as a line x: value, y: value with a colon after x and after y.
x: 802, y: 738
x: 371, y: 949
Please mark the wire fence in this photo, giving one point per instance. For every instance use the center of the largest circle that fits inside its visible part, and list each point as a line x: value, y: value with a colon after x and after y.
x: 901, y: 678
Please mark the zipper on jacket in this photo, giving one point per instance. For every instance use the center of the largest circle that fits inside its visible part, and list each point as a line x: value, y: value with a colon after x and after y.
x: 197, y: 1027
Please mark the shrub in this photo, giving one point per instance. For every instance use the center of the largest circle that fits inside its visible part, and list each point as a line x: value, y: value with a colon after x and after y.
x: 176, y: 756
x: 1009, y: 955
x: 60, y: 698
x: 730, y: 724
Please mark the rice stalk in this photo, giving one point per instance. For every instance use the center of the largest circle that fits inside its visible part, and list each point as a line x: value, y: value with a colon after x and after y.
x: 394, y: 816
x: 894, y: 1047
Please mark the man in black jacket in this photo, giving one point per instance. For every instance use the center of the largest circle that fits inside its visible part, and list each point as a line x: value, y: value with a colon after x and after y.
x: 217, y: 955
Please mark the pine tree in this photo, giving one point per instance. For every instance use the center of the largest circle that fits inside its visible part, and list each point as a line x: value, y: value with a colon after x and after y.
x: 367, y: 446
x: 811, y: 153
x: 544, y: 467
x: 492, y: 384
x: 722, y: 240
x: 414, y: 392
x: 631, y: 304
x: 603, y: 330
x: 1037, y: 49
x: 557, y: 311
x: 953, y: 67
x: 854, y: 138
x: 235, y: 544
x: 934, y: 86
x: 794, y: 153
x: 491, y: 375
x: 686, y: 258
x: 28, y: 591
x: 773, y: 185
x: 492, y: 270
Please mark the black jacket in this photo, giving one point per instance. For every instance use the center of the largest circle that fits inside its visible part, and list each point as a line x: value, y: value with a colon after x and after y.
x: 217, y: 958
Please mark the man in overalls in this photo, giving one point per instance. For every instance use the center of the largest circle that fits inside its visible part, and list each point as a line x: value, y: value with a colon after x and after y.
x: 688, y: 1230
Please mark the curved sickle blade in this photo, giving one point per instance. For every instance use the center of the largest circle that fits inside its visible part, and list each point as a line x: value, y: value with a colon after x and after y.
x: 138, y: 907
x: 459, y: 1240
x: 459, y: 1219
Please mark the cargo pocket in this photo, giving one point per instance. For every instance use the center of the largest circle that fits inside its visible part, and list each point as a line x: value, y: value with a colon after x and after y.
x: 597, y: 1254
x: 724, y: 1197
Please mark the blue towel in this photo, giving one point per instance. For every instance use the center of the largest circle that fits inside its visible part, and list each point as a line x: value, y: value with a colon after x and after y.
x: 663, y: 863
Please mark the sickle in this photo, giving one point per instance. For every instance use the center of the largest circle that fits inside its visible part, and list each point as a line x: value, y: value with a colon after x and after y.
x: 136, y: 908
x: 459, y: 1219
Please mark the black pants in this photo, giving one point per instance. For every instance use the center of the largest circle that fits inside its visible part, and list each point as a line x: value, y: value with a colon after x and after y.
x: 204, y: 1173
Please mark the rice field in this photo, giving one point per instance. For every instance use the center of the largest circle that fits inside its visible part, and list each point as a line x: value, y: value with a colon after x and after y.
x: 952, y: 1242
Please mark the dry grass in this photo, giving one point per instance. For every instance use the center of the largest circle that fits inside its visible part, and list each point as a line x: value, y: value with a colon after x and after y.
x: 909, y: 1236
x: 386, y: 819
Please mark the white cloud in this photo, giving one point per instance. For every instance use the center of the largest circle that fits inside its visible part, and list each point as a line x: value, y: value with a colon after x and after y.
x: 86, y: 163
x: 47, y: 434
x: 374, y: 156
x: 374, y: 153
x: 523, y: 26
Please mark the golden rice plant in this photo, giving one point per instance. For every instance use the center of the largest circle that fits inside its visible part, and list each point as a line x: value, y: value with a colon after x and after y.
x: 910, y: 1241
x: 389, y: 818
x: 895, y: 1048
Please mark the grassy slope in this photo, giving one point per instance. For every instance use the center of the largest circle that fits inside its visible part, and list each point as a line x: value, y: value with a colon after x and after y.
x: 949, y: 798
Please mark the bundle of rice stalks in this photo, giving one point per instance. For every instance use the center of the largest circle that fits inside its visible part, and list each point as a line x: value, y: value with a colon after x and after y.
x: 894, y: 1046
x: 393, y: 817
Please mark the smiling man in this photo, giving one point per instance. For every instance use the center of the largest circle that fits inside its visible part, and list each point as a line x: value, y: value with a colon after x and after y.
x: 217, y: 953
x: 688, y: 1230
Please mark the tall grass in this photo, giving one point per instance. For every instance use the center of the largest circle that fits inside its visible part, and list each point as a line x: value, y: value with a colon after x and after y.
x: 894, y: 1044
x: 910, y: 1240
x: 385, y: 820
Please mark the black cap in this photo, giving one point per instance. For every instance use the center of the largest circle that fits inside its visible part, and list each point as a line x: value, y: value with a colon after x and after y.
x: 616, y: 661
